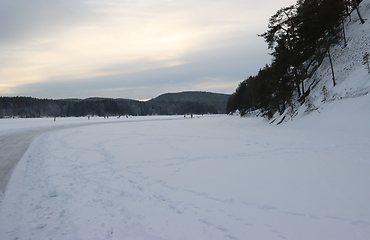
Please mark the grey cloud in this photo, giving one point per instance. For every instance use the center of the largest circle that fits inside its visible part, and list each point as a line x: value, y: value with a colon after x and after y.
x: 232, y: 55
x: 20, y: 19
x: 233, y: 64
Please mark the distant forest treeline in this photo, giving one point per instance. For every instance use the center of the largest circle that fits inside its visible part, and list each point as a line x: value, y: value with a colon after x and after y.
x: 300, y: 37
x: 166, y: 104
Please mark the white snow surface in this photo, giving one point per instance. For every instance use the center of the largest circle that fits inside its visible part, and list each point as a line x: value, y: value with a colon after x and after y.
x: 14, y: 125
x: 210, y: 177
x: 207, y: 177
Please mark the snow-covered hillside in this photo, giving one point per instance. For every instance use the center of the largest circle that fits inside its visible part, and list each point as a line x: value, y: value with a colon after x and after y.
x: 352, y: 77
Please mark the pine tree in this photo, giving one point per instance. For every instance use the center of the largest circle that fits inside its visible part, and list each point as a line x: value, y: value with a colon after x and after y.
x: 300, y: 37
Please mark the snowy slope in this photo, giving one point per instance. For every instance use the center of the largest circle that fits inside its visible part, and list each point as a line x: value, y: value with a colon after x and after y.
x: 352, y: 77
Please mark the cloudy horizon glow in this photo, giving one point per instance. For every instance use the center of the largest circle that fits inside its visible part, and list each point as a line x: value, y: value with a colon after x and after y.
x: 130, y: 49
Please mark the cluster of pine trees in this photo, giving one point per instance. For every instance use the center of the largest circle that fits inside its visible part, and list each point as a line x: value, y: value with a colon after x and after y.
x: 33, y: 108
x: 300, y: 37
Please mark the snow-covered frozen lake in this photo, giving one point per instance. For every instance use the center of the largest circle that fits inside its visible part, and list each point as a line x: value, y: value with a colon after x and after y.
x: 209, y: 178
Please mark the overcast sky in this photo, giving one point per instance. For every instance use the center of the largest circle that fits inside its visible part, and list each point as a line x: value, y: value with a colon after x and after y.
x: 134, y: 49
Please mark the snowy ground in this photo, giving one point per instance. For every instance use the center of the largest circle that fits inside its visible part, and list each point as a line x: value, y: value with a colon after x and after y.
x: 17, y: 134
x: 212, y: 177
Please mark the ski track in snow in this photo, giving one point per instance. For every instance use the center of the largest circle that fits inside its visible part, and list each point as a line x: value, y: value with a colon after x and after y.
x: 204, y: 178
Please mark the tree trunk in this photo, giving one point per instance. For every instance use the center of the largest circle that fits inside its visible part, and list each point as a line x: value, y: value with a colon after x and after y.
x: 332, y: 68
x: 303, y: 93
x: 297, y: 81
x: 298, y: 88
x: 358, y: 12
x: 344, y: 34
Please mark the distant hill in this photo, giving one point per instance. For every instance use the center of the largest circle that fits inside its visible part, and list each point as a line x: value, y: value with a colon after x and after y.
x: 193, y: 96
x: 189, y: 102
x: 166, y: 104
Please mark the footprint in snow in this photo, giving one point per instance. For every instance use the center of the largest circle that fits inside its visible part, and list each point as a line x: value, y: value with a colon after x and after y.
x: 230, y: 236
x: 41, y: 226
x: 61, y: 214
